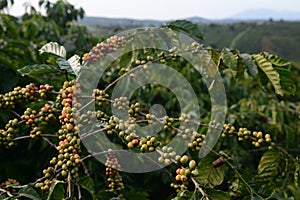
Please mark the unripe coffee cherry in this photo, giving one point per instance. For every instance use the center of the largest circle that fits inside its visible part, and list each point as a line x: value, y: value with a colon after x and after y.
x: 192, y: 164
x: 195, y: 172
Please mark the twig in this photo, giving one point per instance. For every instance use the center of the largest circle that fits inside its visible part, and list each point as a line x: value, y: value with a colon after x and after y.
x: 29, y: 137
x: 15, y: 113
x: 79, y: 192
x: 7, y: 192
x: 49, y: 142
x: 199, y: 188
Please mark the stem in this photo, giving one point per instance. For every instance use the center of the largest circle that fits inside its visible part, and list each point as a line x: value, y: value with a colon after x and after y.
x: 7, y: 192
x: 15, y: 113
x: 85, y: 135
x: 86, y: 171
x: 120, y: 77
x: 66, y: 74
x: 79, y: 192
x: 29, y: 137
x: 49, y: 142
x: 199, y: 188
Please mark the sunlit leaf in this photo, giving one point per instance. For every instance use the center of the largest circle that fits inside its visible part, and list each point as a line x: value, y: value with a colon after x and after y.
x: 269, y: 71
x: 53, y: 48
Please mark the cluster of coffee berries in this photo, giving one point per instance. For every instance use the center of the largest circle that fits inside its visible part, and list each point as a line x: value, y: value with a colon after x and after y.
x: 195, y: 47
x: 29, y: 117
x: 174, y: 53
x: 101, y: 97
x: 184, y: 173
x: 134, y: 109
x: 18, y: 95
x: 46, y: 113
x: 66, y: 94
x: 127, y: 129
x: 6, y: 187
x: 257, y: 137
x: 167, y: 122
x: 66, y: 163
x: 197, y: 141
x: 228, y: 129
x: 168, y: 155
x: 44, y: 89
x: 112, y: 123
x: 7, y: 134
x: 148, y: 144
x: 34, y: 120
x: 45, y: 185
x: 162, y: 56
x: 121, y: 103
x: 144, y: 61
x: 112, y: 173
x: 101, y: 49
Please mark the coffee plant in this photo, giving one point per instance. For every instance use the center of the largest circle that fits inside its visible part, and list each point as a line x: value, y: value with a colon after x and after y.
x: 51, y: 139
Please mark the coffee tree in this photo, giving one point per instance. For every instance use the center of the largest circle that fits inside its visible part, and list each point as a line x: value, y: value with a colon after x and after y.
x: 124, y: 124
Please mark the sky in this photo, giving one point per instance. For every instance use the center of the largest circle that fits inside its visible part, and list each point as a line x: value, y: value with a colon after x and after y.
x: 169, y: 9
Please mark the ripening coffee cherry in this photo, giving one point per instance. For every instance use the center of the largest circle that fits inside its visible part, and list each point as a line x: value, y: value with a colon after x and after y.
x: 178, y: 177
x: 130, y: 145
x: 183, y: 178
x: 184, y: 159
x: 167, y: 161
x: 137, y: 62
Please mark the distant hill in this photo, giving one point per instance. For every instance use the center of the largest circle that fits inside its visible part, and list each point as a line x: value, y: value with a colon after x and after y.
x: 265, y: 14
x: 124, y: 22
x: 248, y: 15
x: 110, y: 22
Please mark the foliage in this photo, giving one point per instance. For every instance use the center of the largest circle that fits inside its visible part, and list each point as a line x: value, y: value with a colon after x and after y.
x: 255, y: 157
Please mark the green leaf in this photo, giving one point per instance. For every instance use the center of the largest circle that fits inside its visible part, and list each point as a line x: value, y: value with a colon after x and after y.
x: 217, y: 194
x: 229, y: 59
x: 269, y: 71
x: 186, y: 26
x: 295, y: 191
x: 126, y: 60
x: 208, y: 175
x: 74, y: 62
x: 250, y: 64
x: 88, y: 184
x: 65, y: 65
x: 276, y: 60
x: 37, y: 69
x: 29, y: 192
x: 11, y: 25
x: 270, y: 166
x: 57, y: 191
x: 284, y: 69
x: 53, y: 48
x: 215, y: 55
